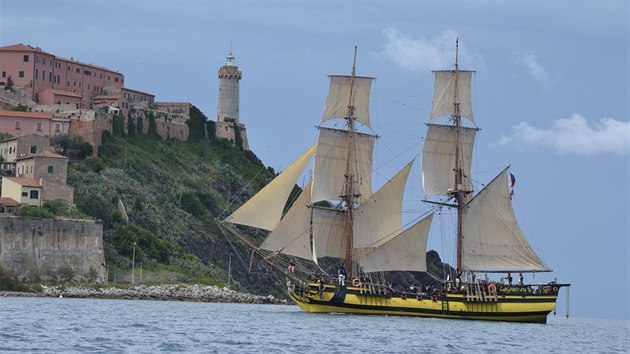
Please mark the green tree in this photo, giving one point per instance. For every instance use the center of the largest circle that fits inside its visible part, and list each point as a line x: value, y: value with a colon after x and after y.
x: 147, y: 245
x: 152, y: 132
x: 118, y: 124
x: 140, y: 126
x: 74, y: 147
x: 196, y: 125
x: 191, y: 203
x: 20, y: 108
x: 131, y: 127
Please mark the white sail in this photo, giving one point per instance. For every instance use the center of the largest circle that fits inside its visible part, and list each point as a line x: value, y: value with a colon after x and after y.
x: 264, y: 209
x: 292, y: 236
x: 444, y: 93
x: 492, y: 239
x: 438, y: 158
x: 330, y: 164
x: 339, y: 98
x: 381, y: 214
x: 328, y: 232
x: 405, y: 251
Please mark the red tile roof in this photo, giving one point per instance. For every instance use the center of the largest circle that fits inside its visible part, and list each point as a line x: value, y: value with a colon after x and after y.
x: 8, y: 201
x: 25, y: 182
x: 42, y: 154
x: 17, y: 114
x: 20, y: 47
x: 141, y: 92
x: 64, y: 93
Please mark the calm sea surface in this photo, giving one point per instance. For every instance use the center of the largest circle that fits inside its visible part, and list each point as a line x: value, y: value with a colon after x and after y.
x: 51, y: 325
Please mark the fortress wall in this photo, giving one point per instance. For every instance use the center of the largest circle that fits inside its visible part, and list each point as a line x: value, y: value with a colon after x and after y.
x: 37, y: 248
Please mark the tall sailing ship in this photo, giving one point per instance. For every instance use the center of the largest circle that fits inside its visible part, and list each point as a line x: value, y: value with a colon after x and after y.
x: 338, y: 216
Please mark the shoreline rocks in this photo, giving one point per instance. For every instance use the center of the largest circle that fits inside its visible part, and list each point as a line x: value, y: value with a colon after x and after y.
x: 177, y: 292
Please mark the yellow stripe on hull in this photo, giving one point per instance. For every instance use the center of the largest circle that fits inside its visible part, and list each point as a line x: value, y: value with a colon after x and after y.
x: 518, y: 308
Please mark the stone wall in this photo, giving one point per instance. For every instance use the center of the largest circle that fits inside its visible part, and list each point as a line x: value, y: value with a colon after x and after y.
x: 173, y: 107
x: 168, y: 125
x: 228, y: 130
x: 37, y: 248
x: 90, y: 126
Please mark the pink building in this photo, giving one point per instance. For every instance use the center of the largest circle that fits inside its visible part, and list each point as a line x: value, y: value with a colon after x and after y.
x: 25, y: 123
x: 67, y: 80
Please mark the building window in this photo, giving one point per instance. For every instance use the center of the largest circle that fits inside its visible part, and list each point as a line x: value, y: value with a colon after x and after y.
x: 4, y: 74
x: 50, y: 169
x: 78, y: 71
x: 21, y: 74
x: 34, y: 194
x: 43, y: 61
x: 39, y: 126
x: 25, y: 194
x: 50, y: 76
x: 36, y: 74
x: 43, y: 75
x: 17, y: 124
x: 26, y: 58
x: 57, y: 127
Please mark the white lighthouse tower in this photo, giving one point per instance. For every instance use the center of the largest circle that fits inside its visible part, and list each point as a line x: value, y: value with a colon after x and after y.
x: 228, y: 125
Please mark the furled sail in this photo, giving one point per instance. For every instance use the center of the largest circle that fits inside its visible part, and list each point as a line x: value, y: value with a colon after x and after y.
x: 444, y: 93
x: 328, y: 232
x: 330, y: 164
x: 264, y: 209
x: 438, y: 158
x: 292, y: 236
x: 405, y: 251
x: 492, y: 239
x: 380, y: 215
x: 339, y: 98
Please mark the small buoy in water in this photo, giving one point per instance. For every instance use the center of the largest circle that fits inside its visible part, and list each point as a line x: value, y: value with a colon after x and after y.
x: 60, y: 296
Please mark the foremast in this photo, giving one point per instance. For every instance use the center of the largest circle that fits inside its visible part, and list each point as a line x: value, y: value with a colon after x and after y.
x: 349, y: 196
x: 458, y: 192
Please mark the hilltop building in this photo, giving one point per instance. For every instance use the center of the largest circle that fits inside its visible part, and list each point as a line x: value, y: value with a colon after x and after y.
x: 26, y: 123
x: 228, y: 125
x: 48, y: 79
x: 39, y: 177
x: 57, y: 91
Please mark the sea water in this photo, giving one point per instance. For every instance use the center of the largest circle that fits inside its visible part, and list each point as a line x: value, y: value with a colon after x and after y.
x: 64, y: 325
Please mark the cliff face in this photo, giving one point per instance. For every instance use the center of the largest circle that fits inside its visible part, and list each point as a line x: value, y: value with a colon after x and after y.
x: 39, y: 248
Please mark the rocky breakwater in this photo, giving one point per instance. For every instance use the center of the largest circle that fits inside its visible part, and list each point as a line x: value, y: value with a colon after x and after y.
x: 163, y: 292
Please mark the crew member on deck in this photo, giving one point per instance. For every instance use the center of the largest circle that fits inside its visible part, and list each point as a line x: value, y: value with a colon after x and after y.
x: 342, y: 275
x: 509, y: 279
x: 520, y: 278
x: 292, y: 265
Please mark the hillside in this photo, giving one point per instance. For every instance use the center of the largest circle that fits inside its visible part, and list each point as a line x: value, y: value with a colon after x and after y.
x: 172, y: 191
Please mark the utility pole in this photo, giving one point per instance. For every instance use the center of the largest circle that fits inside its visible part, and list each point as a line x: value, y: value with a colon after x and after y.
x: 133, y: 263
x: 229, y: 270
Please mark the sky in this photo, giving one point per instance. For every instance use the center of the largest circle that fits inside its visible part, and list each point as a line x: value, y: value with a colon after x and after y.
x: 550, y: 94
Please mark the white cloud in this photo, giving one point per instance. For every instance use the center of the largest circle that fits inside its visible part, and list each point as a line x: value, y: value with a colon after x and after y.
x: 538, y: 72
x: 421, y: 54
x: 573, y: 135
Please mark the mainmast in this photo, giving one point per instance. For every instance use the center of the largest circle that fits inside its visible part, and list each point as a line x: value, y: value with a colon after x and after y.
x: 349, y: 197
x: 458, y: 190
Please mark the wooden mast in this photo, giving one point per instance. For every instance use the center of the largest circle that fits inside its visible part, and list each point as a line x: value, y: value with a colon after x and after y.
x: 349, y: 196
x: 458, y: 191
